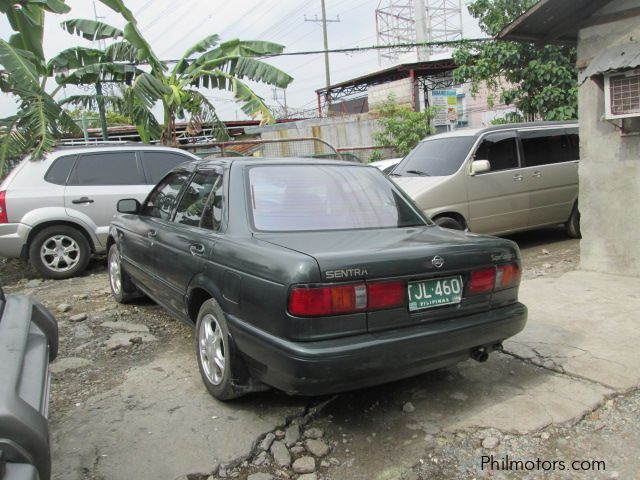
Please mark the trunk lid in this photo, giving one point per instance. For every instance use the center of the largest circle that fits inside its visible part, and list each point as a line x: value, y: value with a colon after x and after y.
x: 407, y: 254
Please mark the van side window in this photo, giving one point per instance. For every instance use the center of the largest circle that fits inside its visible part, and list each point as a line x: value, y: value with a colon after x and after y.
x: 574, y: 144
x: 543, y: 147
x: 500, y: 149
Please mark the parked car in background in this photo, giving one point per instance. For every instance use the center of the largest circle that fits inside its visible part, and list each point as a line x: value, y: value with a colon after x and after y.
x: 497, y: 180
x: 56, y: 211
x: 28, y: 342
x: 386, y: 165
x: 311, y: 276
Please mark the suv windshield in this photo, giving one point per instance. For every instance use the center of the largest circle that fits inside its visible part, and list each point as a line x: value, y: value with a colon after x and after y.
x: 436, y: 158
x: 326, y: 197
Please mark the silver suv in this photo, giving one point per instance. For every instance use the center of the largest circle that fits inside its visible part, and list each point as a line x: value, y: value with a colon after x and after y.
x: 56, y: 212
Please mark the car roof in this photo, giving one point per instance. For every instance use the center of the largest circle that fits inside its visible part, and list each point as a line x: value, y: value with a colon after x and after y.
x: 113, y: 147
x: 473, y: 132
x: 276, y: 161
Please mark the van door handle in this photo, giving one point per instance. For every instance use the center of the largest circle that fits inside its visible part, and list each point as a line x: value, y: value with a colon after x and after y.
x: 518, y: 178
x: 196, y: 249
x: 152, y: 234
x: 77, y: 201
x: 536, y: 175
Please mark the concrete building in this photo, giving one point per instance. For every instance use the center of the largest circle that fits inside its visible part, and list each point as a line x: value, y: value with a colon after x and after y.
x: 607, y: 35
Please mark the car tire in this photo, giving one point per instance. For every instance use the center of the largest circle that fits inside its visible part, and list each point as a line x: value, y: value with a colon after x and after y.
x: 213, y: 352
x: 59, y: 252
x: 122, y: 288
x: 572, y: 227
x: 448, y: 222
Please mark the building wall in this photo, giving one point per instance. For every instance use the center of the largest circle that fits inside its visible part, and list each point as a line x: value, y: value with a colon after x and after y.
x: 610, y: 163
x: 402, y: 91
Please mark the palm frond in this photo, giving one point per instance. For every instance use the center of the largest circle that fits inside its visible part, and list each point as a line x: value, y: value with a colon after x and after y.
x: 199, y: 107
x: 202, y: 46
x: 91, y: 29
x: 243, y: 67
x: 12, y: 142
x: 20, y: 65
x: 149, y: 89
x: 100, y: 72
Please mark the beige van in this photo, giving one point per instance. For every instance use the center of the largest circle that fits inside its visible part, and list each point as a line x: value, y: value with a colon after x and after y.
x: 497, y: 180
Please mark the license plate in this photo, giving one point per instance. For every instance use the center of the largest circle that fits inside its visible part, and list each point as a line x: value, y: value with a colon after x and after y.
x: 433, y: 293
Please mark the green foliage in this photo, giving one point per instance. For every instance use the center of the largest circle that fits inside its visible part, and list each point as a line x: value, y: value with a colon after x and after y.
x: 221, y: 66
x: 402, y: 128
x: 40, y: 121
x: 510, y: 117
x: 375, y: 156
x: 541, y: 80
x: 113, y: 118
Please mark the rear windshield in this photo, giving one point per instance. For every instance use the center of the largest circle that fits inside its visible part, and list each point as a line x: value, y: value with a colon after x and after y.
x: 326, y: 197
x: 436, y: 158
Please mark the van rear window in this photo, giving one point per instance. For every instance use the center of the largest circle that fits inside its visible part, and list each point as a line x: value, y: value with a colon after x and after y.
x: 436, y: 157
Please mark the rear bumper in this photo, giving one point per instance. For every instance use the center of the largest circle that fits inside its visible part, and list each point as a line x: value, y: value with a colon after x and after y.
x: 330, y: 366
x: 28, y: 342
x: 13, y: 236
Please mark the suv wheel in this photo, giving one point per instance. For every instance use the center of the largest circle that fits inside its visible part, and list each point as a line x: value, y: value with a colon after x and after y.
x: 122, y: 288
x: 59, y: 252
x: 213, y: 353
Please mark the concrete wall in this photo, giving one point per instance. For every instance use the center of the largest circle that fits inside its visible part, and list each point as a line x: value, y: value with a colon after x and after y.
x: 402, y: 90
x: 347, y: 131
x: 610, y: 163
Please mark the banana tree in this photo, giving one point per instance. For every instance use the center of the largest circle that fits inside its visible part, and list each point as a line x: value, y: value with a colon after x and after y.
x: 95, y: 67
x: 39, y: 120
x: 207, y: 64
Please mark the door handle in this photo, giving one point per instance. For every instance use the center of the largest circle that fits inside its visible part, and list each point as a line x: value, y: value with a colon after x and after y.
x: 76, y: 201
x: 536, y: 175
x: 196, y: 249
x: 152, y: 234
x: 518, y: 178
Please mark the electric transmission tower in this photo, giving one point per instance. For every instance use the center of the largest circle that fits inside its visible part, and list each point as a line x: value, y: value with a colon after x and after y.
x: 397, y: 22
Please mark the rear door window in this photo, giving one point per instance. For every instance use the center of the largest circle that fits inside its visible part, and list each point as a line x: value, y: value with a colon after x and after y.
x: 107, y: 168
x: 500, y: 149
x: 163, y: 198
x: 543, y: 147
x: 194, y: 200
x: 157, y: 164
x: 574, y: 144
x: 58, y: 173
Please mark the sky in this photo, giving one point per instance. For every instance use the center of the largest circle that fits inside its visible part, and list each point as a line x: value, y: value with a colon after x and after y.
x: 172, y: 26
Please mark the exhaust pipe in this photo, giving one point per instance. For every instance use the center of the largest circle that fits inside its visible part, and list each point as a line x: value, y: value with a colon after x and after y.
x: 480, y: 354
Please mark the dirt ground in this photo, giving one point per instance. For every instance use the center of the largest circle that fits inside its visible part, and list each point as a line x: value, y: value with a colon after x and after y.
x: 102, y: 340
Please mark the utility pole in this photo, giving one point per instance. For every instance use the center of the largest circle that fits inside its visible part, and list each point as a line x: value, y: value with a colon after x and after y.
x: 324, y: 22
x: 421, y: 30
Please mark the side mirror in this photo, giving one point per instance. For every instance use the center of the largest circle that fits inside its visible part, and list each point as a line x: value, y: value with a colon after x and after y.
x: 480, y: 166
x: 128, y: 205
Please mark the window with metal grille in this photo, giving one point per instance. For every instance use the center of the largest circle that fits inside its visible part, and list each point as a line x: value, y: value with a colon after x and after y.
x: 623, y: 94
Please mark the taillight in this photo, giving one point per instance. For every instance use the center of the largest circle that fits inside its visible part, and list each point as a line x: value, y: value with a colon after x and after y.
x: 481, y: 281
x: 385, y: 295
x: 3, y: 208
x: 508, y: 276
x: 311, y: 301
x: 307, y: 301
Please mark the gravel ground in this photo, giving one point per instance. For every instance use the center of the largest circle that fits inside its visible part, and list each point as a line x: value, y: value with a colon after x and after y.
x: 101, y: 339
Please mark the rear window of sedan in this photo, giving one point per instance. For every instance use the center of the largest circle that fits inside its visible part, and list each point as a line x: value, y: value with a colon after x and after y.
x: 326, y: 197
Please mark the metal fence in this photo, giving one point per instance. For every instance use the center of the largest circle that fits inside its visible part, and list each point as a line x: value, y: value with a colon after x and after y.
x: 367, y: 154
x: 310, y: 147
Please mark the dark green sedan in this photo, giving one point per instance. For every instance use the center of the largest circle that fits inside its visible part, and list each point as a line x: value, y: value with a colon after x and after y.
x: 311, y: 276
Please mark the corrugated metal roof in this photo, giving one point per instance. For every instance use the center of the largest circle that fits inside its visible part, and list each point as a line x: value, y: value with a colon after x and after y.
x: 620, y: 57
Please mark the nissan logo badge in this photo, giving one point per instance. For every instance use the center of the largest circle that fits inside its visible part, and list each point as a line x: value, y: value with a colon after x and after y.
x: 437, y: 261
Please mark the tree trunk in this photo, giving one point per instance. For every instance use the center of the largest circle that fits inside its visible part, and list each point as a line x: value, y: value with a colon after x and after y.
x: 101, y: 112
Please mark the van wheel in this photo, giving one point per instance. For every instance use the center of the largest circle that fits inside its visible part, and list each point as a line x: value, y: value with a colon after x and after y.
x: 572, y: 227
x: 448, y: 222
x: 215, y: 361
x: 59, y: 252
x: 122, y: 288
